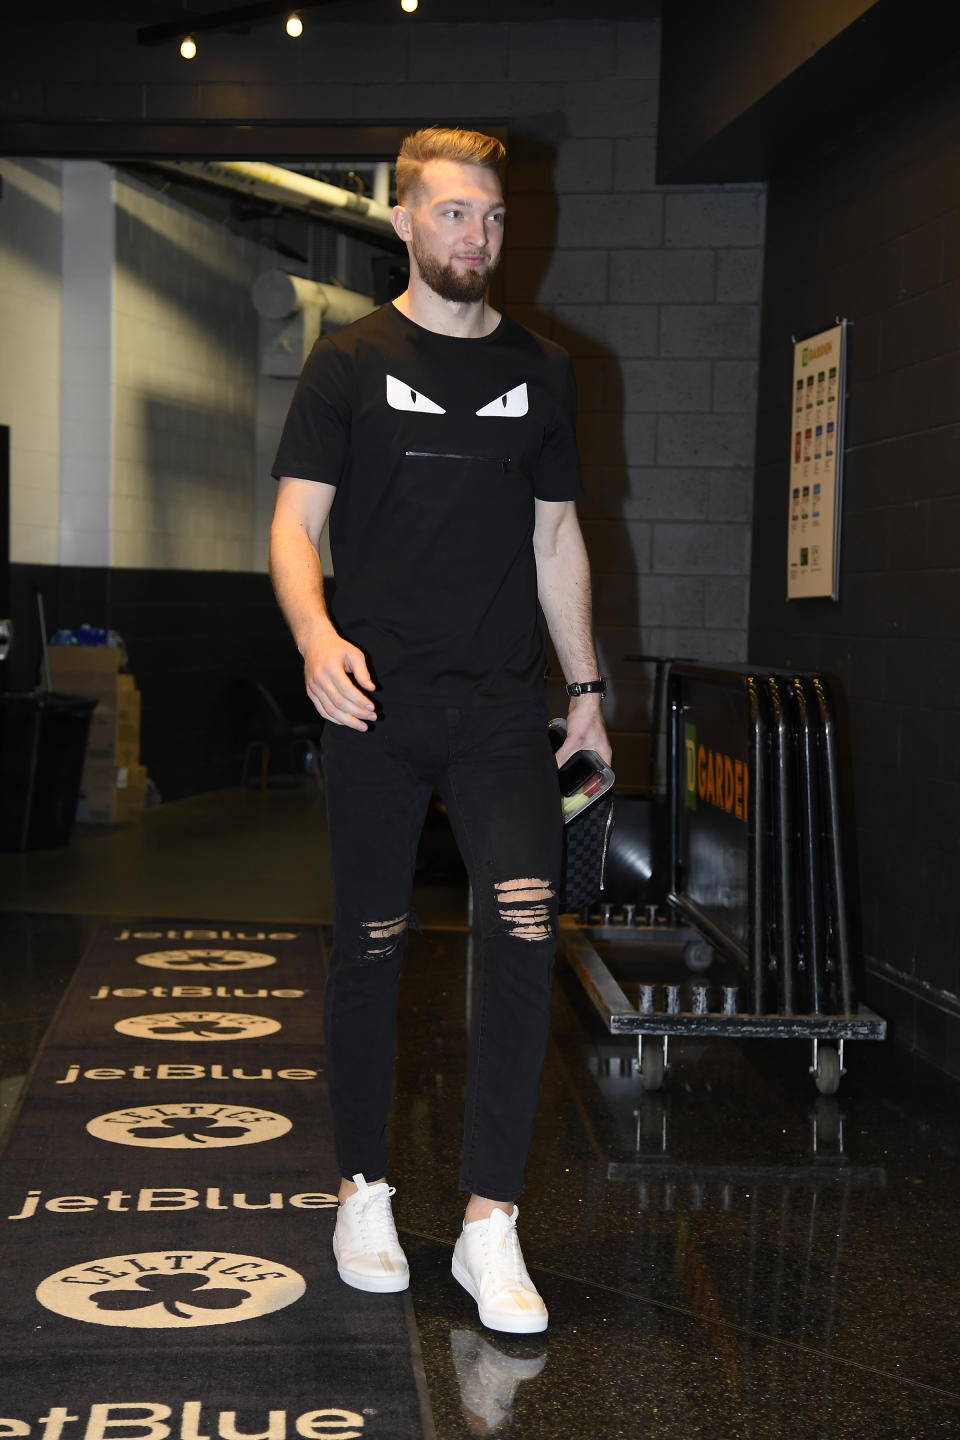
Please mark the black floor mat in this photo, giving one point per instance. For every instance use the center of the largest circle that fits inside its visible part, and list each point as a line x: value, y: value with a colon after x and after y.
x: 165, y: 1251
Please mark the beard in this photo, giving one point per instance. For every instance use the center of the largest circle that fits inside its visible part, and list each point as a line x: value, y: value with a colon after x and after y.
x: 461, y: 286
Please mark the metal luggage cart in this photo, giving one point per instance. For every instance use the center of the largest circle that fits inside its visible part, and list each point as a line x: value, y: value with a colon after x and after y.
x: 752, y: 895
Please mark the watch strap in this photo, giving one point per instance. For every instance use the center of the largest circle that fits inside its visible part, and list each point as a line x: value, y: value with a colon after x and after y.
x: 587, y: 687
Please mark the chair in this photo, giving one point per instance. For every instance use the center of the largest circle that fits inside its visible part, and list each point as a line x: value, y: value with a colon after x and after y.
x: 276, y: 732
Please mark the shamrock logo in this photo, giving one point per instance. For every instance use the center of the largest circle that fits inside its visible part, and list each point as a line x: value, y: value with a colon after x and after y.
x: 214, y: 963
x: 187, y: 1027
x: 174, y: 1289
x: 171, y: 1291
x: 206, y: 960
x: 197, y: 1025
x: 187, y: 1124
x: 196, y: 1130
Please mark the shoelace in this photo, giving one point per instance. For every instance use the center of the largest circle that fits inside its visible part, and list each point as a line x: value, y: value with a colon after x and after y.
x: 376, y: 1221
x: 505, y: 1259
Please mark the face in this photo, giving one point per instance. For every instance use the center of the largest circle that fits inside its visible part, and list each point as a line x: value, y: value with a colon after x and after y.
x: 453, y: 224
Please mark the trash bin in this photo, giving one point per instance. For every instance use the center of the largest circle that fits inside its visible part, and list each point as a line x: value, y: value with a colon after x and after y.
x: 43, y: 741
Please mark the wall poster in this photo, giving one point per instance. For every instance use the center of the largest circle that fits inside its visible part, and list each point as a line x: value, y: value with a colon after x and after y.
x: 816, y: 464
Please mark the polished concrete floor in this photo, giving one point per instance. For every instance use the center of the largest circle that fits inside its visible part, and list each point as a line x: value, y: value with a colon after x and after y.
x: 246, y: 854
x: 735, y: 1256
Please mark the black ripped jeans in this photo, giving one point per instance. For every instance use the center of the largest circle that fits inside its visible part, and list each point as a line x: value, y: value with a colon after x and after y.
x: 494, y: 770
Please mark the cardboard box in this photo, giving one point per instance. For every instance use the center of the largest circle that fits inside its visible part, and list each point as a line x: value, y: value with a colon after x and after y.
x: 85, y: 669
x: 130, y: 797
x: 114, y: 781
x: 126, y: 751
x: 112, y: 793
x: 115, y: 723
x: 101, y: 810
x: 99, y: 779
x: 113, y: 738
x: 128, y: 705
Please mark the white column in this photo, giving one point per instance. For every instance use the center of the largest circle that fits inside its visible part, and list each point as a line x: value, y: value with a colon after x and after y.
x: 86, y: 446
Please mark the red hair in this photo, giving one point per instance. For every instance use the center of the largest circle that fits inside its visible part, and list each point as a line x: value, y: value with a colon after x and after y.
x: 463, y: 147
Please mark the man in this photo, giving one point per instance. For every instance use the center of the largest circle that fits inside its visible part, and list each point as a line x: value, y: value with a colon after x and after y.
x: 438, y: 437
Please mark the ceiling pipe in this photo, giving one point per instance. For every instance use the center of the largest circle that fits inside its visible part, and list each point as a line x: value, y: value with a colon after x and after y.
x: 288, y: 187
x: 277, y: 295
x: 381, y: 182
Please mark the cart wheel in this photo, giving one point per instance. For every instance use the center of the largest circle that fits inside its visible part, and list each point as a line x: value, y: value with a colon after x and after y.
x: 651, y: 1133
x: 827, y: 1124
x: 651, y: 1065
x: 827, y: 1073
x: 697, y: 955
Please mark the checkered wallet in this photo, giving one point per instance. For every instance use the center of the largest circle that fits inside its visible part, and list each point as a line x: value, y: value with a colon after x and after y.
x: 586, y: 841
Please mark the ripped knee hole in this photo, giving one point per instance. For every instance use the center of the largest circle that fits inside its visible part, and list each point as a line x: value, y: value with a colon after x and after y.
x: 525, y: 907
x: 383, y: 937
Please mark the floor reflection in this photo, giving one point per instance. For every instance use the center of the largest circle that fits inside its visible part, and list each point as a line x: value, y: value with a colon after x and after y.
x: 489, y: 1372
x: 733, y: 1256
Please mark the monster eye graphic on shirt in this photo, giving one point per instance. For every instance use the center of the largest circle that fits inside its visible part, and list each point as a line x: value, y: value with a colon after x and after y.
x: 513, y: 404
x: 404, y: 397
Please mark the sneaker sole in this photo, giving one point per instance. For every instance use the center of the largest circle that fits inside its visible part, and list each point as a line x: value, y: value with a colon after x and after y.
x: 373, y: 1284
x: 510, y: 1324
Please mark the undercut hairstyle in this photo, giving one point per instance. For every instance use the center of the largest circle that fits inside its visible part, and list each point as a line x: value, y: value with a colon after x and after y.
x: 463, y: 147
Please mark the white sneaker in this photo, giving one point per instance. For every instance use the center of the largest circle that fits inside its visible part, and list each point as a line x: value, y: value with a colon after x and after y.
x: 365, y: 1243
x: 488, y: 1263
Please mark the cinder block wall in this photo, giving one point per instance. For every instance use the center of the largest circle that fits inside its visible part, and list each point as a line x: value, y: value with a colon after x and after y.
x: 185, y: 349
x: 30, y: 244
x: 655, y: 291
x: 182, y: 331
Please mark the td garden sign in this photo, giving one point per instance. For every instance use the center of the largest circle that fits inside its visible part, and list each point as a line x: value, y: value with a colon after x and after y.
x: 715, y: 778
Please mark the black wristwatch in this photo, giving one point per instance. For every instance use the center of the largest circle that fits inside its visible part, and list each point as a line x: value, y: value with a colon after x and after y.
x: 587, y: 687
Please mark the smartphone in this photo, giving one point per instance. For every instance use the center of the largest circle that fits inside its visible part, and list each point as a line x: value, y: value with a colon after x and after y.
x: 583, y: 779
x: 557, y: 730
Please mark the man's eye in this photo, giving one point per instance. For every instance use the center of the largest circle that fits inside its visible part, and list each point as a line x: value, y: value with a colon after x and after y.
x: 403, y: 397
x: 512, y: 404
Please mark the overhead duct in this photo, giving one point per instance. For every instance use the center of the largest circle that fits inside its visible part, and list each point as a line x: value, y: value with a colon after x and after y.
x: 279, y: 186
x: 296, y: 311
x: 277, y: 295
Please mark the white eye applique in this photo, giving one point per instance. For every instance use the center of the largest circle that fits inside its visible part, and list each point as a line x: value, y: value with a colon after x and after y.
x: 404, y: 397
x: 513, y: 404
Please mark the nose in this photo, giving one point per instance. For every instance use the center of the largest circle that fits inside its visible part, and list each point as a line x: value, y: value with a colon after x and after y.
x: 477, y: 236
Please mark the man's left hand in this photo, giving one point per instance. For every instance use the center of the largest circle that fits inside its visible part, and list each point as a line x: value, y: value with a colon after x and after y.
x: 585, y: 730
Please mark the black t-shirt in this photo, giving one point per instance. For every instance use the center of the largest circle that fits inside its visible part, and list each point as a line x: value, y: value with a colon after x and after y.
x: 437, y: 446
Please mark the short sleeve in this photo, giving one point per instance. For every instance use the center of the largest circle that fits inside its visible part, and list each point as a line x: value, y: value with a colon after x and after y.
x: 316, y: 432
x: 557, y: 474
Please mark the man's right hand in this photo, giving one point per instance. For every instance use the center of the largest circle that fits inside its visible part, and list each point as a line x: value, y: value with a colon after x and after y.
x: 331, y: 665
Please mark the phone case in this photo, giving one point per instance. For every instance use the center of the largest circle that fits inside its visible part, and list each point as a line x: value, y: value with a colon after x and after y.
x: 591, y: 789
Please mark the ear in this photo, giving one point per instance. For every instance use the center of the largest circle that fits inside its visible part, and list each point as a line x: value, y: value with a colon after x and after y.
x: 400, y: 220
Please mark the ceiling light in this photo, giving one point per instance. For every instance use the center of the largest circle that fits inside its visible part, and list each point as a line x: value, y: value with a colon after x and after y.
x: 409, y: 5
x: 294, y: 25
x: 188, y: 47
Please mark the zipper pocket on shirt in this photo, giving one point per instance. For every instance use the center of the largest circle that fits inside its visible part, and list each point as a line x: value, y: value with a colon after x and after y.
x: 502, y: 460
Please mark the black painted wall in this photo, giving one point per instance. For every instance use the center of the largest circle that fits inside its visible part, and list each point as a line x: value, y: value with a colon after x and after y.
x: 746, y: 83
x: 721, y: 62
x: 871, y: 231
x: 194, y: 639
